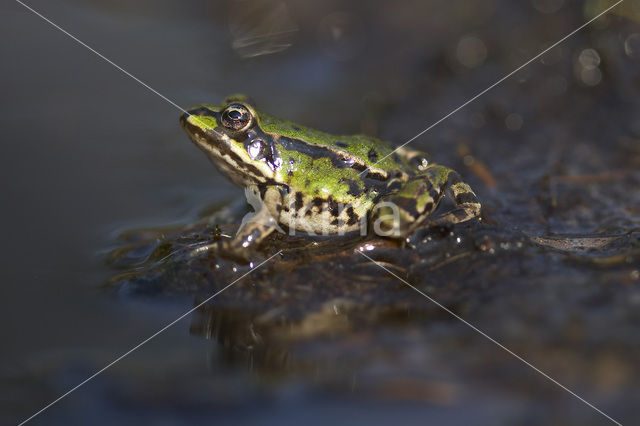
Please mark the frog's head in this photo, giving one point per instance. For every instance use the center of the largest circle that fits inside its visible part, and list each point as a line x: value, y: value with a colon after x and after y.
x: 231, y: 136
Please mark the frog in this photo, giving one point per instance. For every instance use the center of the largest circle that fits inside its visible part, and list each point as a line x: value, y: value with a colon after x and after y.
x: 315, y: 182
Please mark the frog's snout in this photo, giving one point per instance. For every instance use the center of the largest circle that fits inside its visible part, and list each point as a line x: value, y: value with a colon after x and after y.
x: 183, y: 118
x: 188, y: 125
x: 184, y: 121
x: 187, y: 113
x: 199, y: 111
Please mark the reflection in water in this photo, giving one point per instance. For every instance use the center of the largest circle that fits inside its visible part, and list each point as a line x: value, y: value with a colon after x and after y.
x: 551, y: 155
x: 266, y: 343
x: 321, y: 316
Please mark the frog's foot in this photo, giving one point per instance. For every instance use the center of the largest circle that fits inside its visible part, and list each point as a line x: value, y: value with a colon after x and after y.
x: 241, y: 247
x: 465, y: 201
x: 399, y: 214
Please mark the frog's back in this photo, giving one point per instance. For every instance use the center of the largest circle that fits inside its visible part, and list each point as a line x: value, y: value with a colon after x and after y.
x: 372, y: 151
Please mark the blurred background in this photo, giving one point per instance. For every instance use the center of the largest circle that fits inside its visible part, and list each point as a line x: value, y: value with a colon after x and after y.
x: 553, y: 153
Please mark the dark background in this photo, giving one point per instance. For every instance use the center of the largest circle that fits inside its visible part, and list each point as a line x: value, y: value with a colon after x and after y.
x: 88, y: 153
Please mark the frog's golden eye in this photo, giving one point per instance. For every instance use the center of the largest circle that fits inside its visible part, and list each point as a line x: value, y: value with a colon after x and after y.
x: 236, y: 117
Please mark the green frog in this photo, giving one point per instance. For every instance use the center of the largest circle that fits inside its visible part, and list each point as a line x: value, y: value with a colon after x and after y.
x: 311, y: 181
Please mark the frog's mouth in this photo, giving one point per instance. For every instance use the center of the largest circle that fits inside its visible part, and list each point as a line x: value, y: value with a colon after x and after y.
x: 213, y: 142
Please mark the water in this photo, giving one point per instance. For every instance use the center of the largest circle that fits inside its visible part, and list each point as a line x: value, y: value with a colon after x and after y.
x: 553, y: 153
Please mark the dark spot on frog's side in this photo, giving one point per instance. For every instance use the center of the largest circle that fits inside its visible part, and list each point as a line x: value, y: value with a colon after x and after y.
x: 299, y: 201
x: 284, y: 190
x: 318, y: 202
x: 353, y: 217
x: 341, y: 144
x: 263, y: 191
x: 373, y: 155
x: 340, y: 162
x: 359, y: 167
x: 296, y: 128
x: 354, y: 189
x: 376, y: 176
x: 333, y: 207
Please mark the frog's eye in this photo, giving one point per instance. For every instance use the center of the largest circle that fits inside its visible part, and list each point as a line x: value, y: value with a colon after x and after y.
x: 236, y: 117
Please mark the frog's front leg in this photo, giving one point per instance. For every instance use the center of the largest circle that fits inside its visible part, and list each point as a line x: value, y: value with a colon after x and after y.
x: 410, y: 207
x: 252, y: 231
